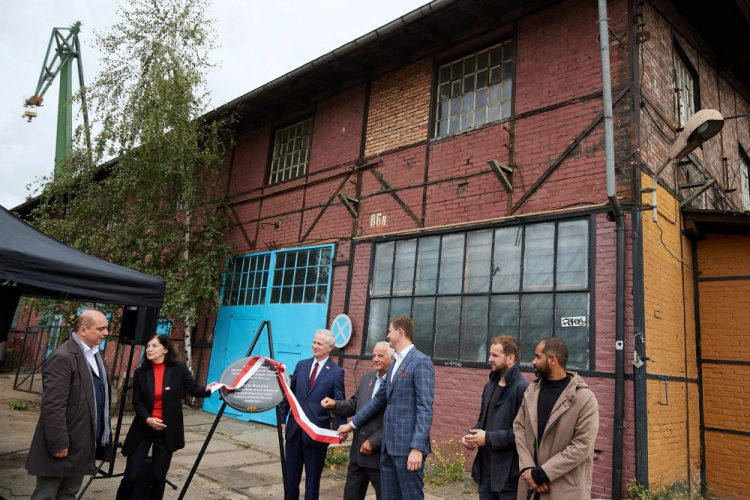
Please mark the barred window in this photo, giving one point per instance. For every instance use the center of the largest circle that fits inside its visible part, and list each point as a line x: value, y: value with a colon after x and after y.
x: 463, y: 289
x: 245, y: 284
x: 291, y: 152
x: 684, y: 92
x: 475, y: 90
x: 301, y: 277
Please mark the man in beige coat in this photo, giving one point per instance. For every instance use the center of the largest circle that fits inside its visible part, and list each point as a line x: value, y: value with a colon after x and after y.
x: 555, y: 430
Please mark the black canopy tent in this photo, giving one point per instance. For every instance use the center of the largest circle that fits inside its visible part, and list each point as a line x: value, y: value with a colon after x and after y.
x: 34, y: 264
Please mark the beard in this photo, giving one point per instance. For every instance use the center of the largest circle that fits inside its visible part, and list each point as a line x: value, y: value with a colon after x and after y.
x: 541, y: 372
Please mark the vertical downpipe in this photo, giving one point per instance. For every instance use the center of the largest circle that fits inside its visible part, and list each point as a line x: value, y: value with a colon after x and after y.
x: 609, y: 149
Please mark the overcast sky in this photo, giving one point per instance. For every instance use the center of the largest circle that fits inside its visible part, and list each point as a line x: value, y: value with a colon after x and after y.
x: 258, y: 40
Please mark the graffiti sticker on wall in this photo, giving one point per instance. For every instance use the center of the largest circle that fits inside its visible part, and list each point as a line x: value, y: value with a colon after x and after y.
x: 573, y: 321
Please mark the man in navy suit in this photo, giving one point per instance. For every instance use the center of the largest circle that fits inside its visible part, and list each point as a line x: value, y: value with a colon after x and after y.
x: 407, y: 398
x: 314, y: 379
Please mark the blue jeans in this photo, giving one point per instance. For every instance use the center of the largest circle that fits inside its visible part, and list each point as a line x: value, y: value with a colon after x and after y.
x: 486, y: 493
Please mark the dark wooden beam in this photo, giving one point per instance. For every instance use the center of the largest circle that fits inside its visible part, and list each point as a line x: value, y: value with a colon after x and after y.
x: 431, y: 34
x: 733, y: 60
x: 542, y: 178
x: 481, y: 14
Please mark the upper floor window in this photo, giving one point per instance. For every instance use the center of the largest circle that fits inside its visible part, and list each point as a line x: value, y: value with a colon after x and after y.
x: 475, y: 90
x: 744, y: 179
x: 684, y: 91
x: 291, y: 152
x: 463, y: 289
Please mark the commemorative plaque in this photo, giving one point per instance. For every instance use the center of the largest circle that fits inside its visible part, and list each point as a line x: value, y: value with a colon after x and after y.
x: 260, y: 393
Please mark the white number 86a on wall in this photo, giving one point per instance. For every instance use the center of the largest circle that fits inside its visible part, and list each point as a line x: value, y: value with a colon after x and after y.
x: 378, y: 220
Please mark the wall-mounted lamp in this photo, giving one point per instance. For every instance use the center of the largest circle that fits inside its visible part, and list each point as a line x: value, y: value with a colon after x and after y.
x: 276, y: 224
x: 702, y: 126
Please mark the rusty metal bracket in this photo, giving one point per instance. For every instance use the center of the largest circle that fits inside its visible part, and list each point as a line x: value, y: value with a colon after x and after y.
x: 351, y: 204
x: 504, y: 174
x: 389, y: 190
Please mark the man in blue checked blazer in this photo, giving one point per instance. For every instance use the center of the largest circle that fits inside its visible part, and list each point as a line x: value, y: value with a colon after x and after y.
x: 314, y: 379
x: 407, y: 398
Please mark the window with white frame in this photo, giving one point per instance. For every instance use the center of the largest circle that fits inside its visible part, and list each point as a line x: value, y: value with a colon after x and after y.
x: 463, y: 289
x: 291, y: 152
x: 684, y: 92
x: 475, y: 89
x: 744, y: 179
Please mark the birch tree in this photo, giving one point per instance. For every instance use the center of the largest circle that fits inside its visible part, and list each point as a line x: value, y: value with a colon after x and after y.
x: 150, y: 196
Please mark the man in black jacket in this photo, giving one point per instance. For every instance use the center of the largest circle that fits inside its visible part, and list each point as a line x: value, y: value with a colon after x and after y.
x: 496, y: 465
x: 364, y: 457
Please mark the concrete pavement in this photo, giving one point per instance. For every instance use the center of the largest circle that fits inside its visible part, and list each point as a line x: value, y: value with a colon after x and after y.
x: 241, y: 462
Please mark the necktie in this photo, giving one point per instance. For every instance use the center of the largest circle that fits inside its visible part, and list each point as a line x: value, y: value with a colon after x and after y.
x: 312, y: 375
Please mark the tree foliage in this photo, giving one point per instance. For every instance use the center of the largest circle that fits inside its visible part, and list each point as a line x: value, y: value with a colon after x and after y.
x: 150, y: 196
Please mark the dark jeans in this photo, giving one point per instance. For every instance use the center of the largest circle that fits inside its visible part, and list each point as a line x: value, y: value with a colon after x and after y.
x: 160, y: 460
x: 486, y: 493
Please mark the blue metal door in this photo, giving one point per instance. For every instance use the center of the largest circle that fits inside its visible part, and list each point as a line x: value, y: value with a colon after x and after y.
x: 290, y: 289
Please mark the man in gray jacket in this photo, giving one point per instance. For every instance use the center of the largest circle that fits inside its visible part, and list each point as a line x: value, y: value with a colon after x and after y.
x: 364, y: 457
x: 74, y: 419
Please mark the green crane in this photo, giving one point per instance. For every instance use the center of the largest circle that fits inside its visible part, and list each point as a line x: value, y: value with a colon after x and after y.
x: 60, y: 61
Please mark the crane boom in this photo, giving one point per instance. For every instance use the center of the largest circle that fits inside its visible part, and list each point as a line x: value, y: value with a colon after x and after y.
x: 59, y: 61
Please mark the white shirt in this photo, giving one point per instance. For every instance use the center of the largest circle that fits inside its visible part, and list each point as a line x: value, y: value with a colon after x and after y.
x: 378, y: 381
x: 321, y: 364
x: 399, y: 357
x: 90, y: 353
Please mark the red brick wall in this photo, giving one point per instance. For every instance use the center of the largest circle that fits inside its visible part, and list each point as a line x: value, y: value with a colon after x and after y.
x: 399, y: 108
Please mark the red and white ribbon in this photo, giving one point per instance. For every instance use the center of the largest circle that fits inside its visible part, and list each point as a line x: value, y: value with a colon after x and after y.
x: 316, y: 433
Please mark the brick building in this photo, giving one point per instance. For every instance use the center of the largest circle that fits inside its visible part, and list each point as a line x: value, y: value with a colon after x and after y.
x: 450, y: 166
x: 371, y: 182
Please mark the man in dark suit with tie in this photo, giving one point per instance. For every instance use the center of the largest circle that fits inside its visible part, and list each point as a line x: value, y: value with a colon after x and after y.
x: 364, y: 457
x: 407, y: 400
x: 314, y: 379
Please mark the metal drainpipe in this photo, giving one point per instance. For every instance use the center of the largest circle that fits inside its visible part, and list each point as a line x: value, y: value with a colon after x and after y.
x: 609, y: 148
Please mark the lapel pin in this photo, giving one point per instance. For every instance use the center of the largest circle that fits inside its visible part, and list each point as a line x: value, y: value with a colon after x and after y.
x: 166, y: 388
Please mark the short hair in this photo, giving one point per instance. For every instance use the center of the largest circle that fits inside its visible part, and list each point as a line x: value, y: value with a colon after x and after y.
x: 391, y: 350
x: 556, y: 346
x: 406, y: 324
x: 330, y: 339
x: 84, y: 319
x: 510, y: 345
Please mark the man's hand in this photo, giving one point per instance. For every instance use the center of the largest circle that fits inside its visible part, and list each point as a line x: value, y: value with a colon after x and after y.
x: 61, y: 453
x: 414, y: 462
x: 526, y: 475
x: 468, y: 446
x: 344, y: 430
x: 283, y: 428
x: 366, y: 448
x: 542, y: 488
x: 476, y: 437
x: 328, y: 403
x: 156, y: 423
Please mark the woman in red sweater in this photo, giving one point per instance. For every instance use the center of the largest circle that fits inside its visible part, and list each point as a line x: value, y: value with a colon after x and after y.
x: 157, y: 399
